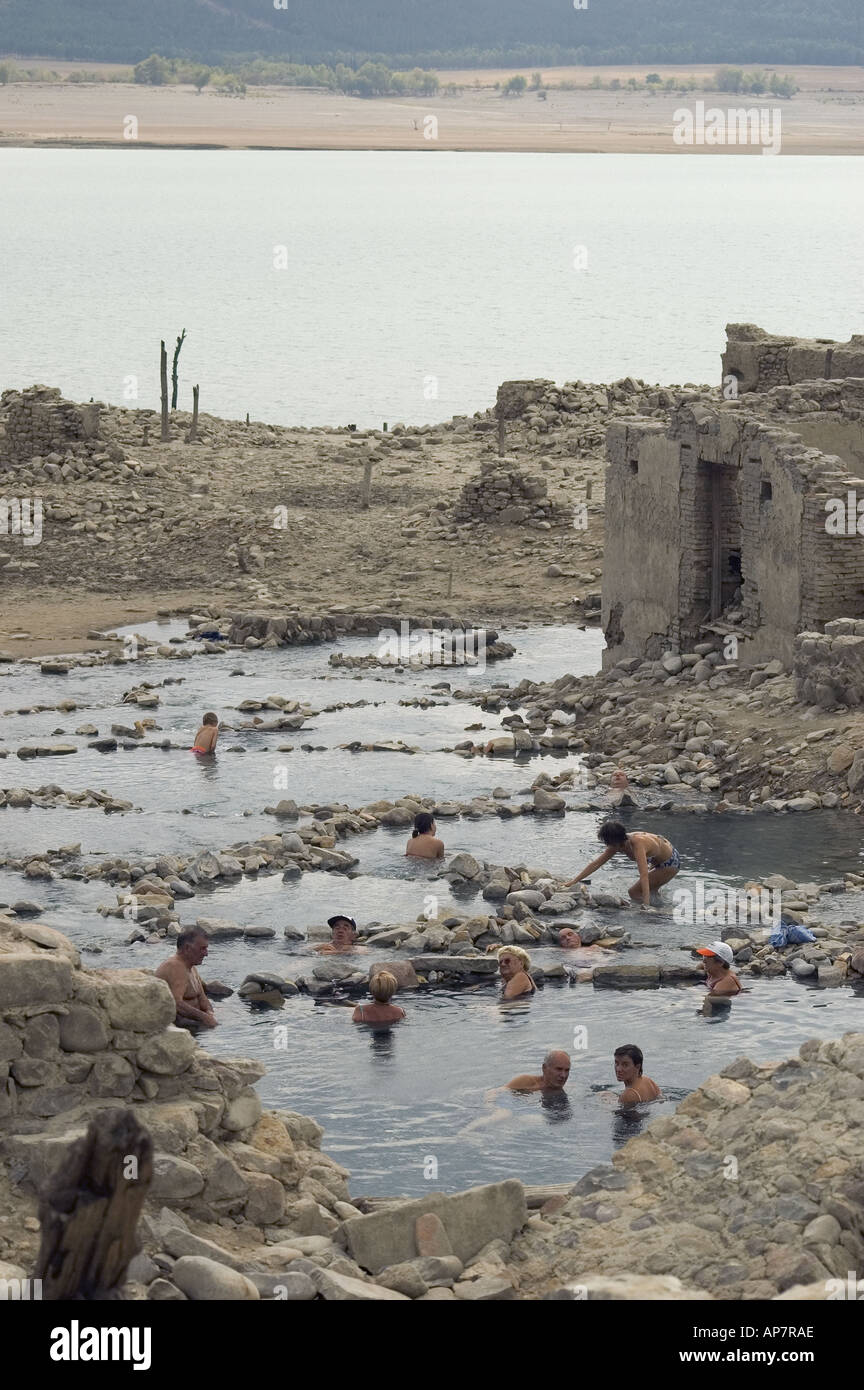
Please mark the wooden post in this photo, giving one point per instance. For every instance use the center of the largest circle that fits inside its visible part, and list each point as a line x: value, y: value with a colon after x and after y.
x: 193, y: 428
x: 89, y: 1209
x: 163, y: 378
x: 367, y: 485
x: 502, y: 430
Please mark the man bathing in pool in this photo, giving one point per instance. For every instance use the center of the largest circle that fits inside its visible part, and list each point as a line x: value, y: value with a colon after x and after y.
x: 656, y: 859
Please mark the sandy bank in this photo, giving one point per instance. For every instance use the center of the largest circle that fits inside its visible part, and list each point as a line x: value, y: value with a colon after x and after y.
x: 816, y: 121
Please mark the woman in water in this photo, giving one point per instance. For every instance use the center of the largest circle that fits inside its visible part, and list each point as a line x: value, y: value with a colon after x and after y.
x: 656, y: 859
x: 423, y: 843
x: 205, y: 739
x: 717, y: 959
x: 514, y: 963
x: 382, y: 987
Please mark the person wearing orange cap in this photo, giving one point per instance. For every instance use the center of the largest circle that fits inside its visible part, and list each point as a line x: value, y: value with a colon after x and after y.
x: 717, y: 959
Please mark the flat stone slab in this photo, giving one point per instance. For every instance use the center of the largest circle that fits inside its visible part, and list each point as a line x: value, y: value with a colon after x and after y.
x: 456, y: 965
x: 627, y: 976
x: 471, y: 1220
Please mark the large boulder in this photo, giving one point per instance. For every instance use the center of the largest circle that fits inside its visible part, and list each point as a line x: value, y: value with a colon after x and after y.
x: 136, y: 1001
x: 167, y: 1053
x: 83, y: 1029
x: 203, y: 1279
x: 26, y: 978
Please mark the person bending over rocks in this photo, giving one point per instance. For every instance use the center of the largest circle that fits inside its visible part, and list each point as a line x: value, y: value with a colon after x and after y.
x: 423, y: 843
x: 382, y: 987
x: 717, y: 959
x: 513, y: 964
x: 343, y: 935
x: 182, y: 978
x: 657, y: 860
x: 553, y: 1075
x: 628, y: 1068
x: 205, y: 739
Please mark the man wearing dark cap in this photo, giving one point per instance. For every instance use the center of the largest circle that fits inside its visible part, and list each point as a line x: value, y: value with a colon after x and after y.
x: 343, y: 934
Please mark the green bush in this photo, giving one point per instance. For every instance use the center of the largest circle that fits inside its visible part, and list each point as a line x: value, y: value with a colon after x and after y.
x: 515, y: 86
x: 154, y: 71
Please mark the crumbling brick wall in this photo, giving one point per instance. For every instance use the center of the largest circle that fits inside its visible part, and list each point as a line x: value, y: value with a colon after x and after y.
x: 761, y: 360
x: 39, y: 421
x: 773, y: 491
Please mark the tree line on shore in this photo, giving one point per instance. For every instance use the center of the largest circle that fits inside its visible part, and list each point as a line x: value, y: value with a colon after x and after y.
x: 376, y: 79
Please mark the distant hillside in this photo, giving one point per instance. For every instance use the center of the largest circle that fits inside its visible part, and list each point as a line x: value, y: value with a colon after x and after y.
x: 441, y: 33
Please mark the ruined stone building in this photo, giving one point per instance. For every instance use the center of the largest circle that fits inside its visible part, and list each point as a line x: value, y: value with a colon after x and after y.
x: 717, y: 517
x: 39, y: 421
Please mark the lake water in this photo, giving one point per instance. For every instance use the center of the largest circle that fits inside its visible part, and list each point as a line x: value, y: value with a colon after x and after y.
x: 413, y: 283
x: 390, y: 1103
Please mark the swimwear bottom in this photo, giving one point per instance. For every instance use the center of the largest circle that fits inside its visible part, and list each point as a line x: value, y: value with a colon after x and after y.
x: 673, y: 863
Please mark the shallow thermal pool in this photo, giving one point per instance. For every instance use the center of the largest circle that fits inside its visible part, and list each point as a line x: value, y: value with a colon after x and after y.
x: 408, y: 1109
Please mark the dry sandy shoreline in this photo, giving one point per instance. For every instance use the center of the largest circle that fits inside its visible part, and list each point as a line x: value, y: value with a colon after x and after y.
x: 826, y: 119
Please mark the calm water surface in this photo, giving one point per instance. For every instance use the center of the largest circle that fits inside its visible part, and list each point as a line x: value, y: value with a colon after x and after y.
x: 414, y: 282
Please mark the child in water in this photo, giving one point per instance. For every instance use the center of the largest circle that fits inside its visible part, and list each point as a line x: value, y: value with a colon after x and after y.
x: 205, y: 739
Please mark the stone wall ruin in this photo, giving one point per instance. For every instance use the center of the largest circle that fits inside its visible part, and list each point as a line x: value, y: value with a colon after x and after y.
x: 717, y: 522
x: 761, y: 360
x: 39, y: 421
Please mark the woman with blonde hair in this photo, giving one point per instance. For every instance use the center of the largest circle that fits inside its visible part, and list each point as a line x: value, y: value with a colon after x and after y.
x: 382, y: 987
x: 514, y: 964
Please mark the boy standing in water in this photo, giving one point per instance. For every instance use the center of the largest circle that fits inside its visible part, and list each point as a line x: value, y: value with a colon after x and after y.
x: 654, y: 856
x: 205, y: 739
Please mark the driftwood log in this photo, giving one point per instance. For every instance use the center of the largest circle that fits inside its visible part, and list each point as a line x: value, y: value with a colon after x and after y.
x: 89, y: 1209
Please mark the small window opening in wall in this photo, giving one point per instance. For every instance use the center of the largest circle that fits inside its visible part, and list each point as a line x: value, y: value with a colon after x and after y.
x: 735, y: 564
x: 634, y: 465
x: 767, y: 491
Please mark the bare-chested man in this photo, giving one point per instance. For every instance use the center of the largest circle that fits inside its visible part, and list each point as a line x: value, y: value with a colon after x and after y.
x: 343, y: 934
x: 628, y: 1069
x: 181, y: 976
x: 654, y: 856
x: 553, y: 1075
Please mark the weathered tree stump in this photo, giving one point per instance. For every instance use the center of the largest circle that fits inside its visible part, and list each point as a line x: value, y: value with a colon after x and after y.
x: 89, y: 1209
x: 163, y: 382
x: 174, y: 380
x: 193, y: 428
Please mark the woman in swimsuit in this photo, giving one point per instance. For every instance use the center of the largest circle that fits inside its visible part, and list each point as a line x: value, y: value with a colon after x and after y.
x: 656, y: 859
x: 382, y: 987
x: 717, y: 959
x: 514, y: 963
x: 205, y: 739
